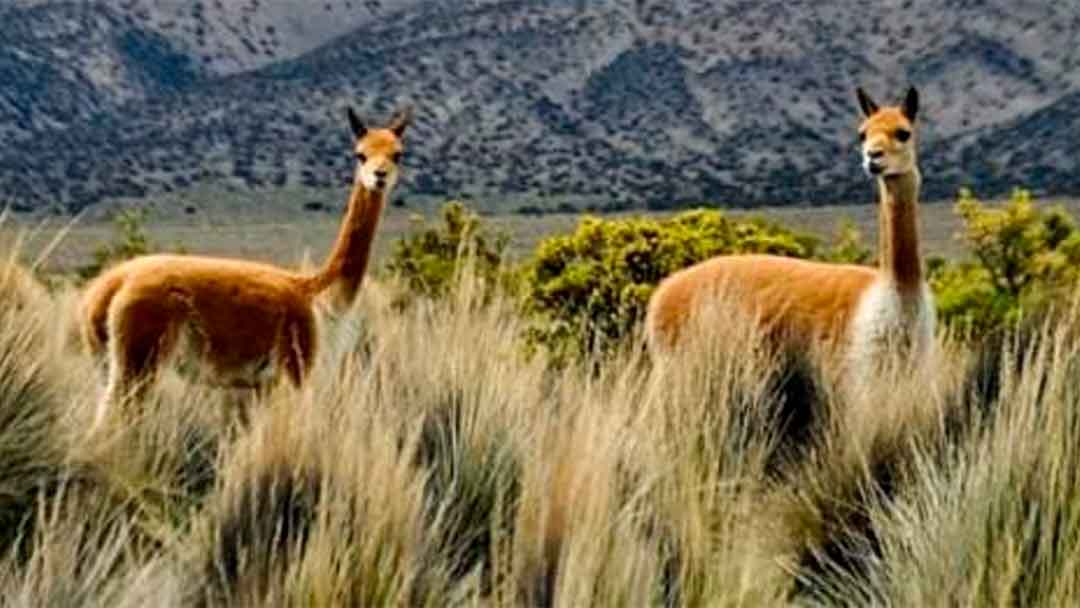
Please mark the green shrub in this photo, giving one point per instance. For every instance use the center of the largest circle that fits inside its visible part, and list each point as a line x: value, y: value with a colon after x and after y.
x: 967, y: 301
x: 588, y: 290
x: 1019, y: 245
x: 1022, y: 257
x: 430, y: 260
x: 130, y: 241
x: 847, y: 246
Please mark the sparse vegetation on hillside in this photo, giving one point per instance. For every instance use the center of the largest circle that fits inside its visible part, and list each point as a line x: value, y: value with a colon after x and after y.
x: 613, y: 105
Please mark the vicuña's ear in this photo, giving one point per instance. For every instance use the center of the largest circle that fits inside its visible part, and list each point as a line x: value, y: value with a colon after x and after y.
x: 869, y: 108
x: 911, y: 104
x: 358, y: 128
x: 401, y: 121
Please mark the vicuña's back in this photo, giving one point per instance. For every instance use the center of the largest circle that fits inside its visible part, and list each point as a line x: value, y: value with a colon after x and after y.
x: 792, y: 299
x: 856, y: 311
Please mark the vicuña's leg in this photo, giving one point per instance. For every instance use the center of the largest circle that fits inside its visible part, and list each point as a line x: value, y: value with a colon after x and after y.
x: 296, y: 351
x: 142, y: 335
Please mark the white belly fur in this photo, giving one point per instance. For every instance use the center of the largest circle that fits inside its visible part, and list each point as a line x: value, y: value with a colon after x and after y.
x: 885, y: 324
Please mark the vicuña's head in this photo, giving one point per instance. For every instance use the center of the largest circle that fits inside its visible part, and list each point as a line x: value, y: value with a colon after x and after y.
x: 888, y: 135
x: 379, y: 151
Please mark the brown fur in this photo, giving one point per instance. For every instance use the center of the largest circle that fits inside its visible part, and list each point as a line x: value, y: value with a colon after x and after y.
x: 234, y: 318
x: 799, y: 303
x: 792, y: 299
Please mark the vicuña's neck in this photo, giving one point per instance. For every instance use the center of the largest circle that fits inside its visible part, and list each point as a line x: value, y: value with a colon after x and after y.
x: 344, y: 269
x: 899, y: 223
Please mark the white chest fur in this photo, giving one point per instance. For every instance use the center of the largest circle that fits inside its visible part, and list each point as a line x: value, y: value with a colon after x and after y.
x: 887, y: 324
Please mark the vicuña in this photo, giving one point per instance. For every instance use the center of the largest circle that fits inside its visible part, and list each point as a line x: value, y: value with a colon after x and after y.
x: 861, y: 313
x: 239, y: 323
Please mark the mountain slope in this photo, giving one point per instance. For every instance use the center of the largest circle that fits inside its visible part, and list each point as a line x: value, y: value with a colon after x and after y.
x: 620, y: 102
x: 67, y: 63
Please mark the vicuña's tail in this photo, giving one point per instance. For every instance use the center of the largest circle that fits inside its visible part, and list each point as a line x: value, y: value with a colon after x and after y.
x: 94, y: 312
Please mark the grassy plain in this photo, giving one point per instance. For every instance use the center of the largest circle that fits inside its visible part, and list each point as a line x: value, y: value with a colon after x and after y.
x: 429, y: 472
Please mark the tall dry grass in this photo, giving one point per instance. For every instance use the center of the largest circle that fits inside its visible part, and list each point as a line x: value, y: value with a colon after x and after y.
x: 440, y: 466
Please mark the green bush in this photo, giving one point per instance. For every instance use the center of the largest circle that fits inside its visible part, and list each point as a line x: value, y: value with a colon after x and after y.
x: 1021, y: 257
x: 430, y: 261
x: 847, y: 246
x: 588, y: 290
x: 130, y: 241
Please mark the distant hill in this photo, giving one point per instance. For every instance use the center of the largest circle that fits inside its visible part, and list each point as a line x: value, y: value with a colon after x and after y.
x: 625, y: 103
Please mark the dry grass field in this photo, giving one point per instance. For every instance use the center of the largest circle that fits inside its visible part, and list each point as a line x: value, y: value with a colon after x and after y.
x: 429, y: 472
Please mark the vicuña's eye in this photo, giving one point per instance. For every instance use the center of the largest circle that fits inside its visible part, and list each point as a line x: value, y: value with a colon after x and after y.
x: 360, y: 157
x: 397, y: 158
x: 862, y: 135
x: 903, y: 135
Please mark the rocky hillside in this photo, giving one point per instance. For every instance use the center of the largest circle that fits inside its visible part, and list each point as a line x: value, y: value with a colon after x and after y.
x: 617, y: 102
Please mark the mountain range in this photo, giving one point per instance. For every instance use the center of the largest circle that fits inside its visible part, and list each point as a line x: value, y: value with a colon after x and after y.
x: 614, y: 103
